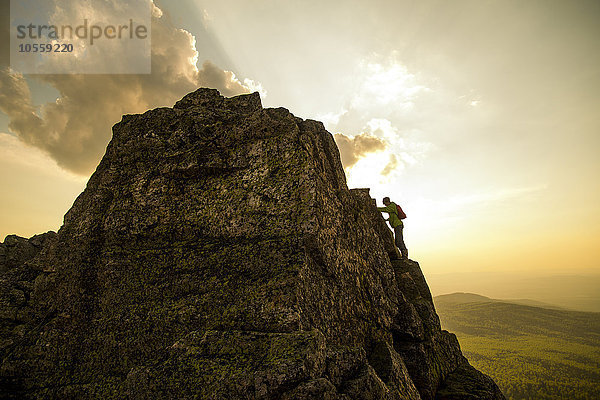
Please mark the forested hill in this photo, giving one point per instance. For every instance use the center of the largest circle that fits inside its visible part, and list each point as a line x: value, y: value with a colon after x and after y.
x: 531, y: 352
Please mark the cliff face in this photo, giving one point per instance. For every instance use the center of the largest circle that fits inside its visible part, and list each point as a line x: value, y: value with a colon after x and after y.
x: 218, y: 253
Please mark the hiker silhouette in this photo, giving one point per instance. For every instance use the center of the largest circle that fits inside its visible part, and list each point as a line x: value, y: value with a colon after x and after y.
x: 396, y: 215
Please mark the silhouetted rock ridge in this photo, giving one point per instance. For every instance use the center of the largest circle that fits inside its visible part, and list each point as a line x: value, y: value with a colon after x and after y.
x: 217, y: 253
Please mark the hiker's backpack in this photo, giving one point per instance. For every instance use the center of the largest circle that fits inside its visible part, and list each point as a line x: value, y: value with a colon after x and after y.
x: 401, y: 213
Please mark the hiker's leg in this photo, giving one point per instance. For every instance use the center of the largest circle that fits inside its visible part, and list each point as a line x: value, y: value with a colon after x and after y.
x: 400, y: 241
x: 397, y: 236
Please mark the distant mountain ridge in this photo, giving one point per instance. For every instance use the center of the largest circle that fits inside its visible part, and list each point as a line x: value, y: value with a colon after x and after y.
x: 462, y: 297
x: 575, y: 291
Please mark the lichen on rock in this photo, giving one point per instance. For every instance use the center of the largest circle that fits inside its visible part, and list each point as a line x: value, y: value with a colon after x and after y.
x: 217, y: 252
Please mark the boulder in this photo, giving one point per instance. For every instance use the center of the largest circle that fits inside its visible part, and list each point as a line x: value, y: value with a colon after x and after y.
x: 217, y: 252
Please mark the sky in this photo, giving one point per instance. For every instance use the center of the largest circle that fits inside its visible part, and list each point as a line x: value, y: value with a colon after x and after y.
x: 479, y: 117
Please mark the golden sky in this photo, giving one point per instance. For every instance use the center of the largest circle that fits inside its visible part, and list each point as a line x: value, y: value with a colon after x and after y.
x: 479, y: 117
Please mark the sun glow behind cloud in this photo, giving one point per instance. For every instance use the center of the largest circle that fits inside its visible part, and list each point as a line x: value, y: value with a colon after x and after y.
x: 386, y: 82
x: 386, y: 90
x: 413, y: 118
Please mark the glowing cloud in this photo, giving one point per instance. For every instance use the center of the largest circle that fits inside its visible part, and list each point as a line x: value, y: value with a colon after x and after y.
x: 390, y: 165
x: 354, y: 148
x: 387, y: 82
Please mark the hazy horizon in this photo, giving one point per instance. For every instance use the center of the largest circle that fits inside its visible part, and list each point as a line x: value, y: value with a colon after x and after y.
x: 576, y: 292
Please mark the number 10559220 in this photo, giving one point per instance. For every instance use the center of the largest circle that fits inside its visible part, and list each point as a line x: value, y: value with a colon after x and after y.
x: 45, y: 48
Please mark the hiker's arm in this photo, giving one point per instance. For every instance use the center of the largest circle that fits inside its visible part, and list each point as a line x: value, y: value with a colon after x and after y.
x: 388, y: 209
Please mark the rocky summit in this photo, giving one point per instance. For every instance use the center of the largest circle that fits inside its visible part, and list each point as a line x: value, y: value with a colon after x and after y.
x: 217, y: 253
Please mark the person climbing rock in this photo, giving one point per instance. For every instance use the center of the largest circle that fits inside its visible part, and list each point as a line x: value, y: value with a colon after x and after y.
x: 396, y: 215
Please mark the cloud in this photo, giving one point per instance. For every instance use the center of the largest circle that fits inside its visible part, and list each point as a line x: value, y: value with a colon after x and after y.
x: 391, y: 166
x: 254, y: 86
x: 225, y: 80
x: 75, y: 129
x: 382, y: 127
x: 353, y: 148
x: 15, y: 101
x: 386, y: 104
x: 379, y: 136
x: 331, y: 119
x: 16, y: 155
x: 386, y: 82
x: 383, y: 88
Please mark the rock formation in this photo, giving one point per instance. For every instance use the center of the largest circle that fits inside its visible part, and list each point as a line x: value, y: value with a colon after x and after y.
x: 217, y: 253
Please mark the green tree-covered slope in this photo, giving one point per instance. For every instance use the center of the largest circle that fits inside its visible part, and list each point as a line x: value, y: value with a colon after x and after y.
x: 531, y: 352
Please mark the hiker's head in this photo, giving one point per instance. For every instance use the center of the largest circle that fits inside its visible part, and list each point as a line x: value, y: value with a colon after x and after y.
x: 386, y: 200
